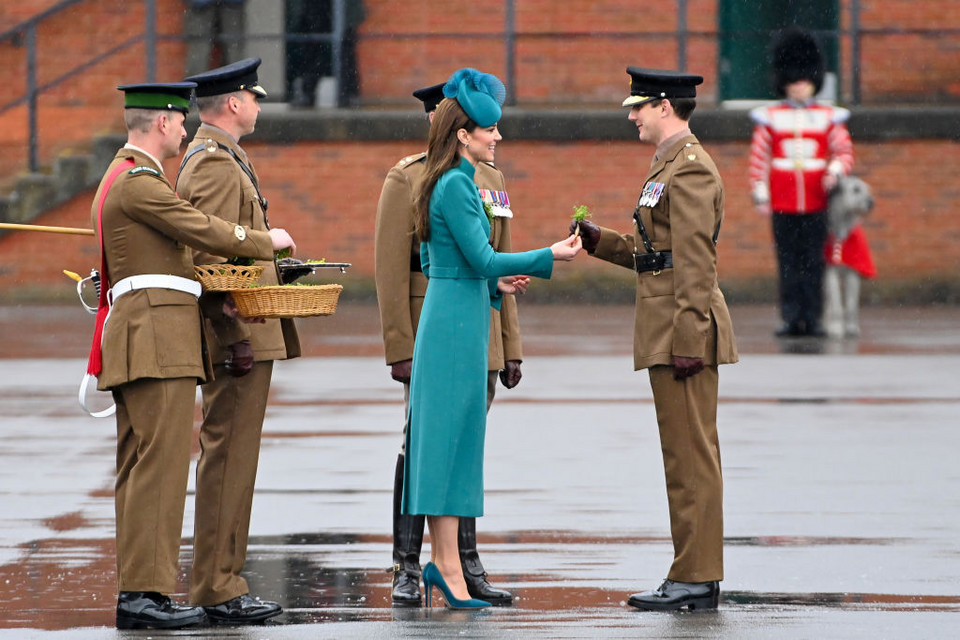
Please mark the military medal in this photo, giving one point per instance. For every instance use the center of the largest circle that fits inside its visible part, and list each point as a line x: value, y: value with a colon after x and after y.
x: 498, y: 201
x: 651, y: 194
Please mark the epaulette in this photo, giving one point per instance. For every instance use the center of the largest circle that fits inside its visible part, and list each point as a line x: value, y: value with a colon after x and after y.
x: 688, y: 151
x: 417, y: 157
x: 139, y: 170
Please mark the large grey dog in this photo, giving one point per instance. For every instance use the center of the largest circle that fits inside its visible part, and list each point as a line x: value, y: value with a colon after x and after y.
x: 849, y: 201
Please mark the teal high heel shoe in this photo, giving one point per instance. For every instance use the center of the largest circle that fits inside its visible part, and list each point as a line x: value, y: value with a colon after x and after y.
x: 433, y: 578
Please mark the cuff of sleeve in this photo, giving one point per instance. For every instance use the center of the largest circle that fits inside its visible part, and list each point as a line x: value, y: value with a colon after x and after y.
x: 688, y: 341
x: 835, y: 168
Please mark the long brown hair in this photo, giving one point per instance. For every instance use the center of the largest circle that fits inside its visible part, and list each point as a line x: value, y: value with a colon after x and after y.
x: 442, y: 155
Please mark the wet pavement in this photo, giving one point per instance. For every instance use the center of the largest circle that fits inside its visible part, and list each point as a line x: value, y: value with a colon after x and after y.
x: 842, y: 486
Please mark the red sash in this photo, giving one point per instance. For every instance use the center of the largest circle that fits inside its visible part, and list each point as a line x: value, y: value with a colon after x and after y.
x: 95, y: 362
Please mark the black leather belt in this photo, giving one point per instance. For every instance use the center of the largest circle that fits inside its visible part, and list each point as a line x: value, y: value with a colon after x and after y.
x: 415, y: 263
x: 654, y: 261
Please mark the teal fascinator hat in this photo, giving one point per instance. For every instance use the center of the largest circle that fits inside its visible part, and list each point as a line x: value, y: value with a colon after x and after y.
x: 479, y: 94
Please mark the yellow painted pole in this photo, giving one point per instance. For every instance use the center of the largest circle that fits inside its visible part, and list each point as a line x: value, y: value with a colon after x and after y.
x: 37, y: 227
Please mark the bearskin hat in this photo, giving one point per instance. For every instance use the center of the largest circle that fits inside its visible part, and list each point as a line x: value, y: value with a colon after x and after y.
x: 797, y: 56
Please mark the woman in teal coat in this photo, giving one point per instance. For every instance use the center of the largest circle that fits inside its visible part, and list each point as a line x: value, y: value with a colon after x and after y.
x: 448, y: 388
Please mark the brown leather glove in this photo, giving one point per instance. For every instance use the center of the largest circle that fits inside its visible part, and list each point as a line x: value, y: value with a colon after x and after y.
x: 510, y: 374
x: 686, y: 367
x: 589, y: 234
x: 400, y: 371
x: 240, y: 361
x: 292, y: 273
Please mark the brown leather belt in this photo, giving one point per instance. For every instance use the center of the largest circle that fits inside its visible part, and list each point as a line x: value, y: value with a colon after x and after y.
x: 653, y: 261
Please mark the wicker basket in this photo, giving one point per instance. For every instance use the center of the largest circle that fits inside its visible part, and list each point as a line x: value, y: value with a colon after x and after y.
x: 227, y: 277
x: 287, y: 302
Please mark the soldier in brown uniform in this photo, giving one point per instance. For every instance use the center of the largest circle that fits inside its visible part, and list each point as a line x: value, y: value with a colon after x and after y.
x: 217, y: 176
x: 152, y: 344
x: 401, y: 287
x: 683, y: 329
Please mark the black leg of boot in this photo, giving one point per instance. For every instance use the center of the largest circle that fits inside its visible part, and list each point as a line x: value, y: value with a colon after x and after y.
x: 407, y: 541
x: 473, y: 571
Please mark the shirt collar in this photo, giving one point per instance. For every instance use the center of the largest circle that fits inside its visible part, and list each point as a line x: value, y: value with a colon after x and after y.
x: 664, y: 146
x: 134, y: 147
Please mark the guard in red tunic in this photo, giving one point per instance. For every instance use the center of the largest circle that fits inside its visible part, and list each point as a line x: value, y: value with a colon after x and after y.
x: 799, y: 149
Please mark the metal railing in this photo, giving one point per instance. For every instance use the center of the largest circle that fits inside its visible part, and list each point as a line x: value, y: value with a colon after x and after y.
x: 25, y: 34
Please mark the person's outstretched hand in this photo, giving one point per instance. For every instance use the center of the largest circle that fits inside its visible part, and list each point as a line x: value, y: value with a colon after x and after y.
x: 686, y: 367
x: 566, y: 250
x: 589, y: 232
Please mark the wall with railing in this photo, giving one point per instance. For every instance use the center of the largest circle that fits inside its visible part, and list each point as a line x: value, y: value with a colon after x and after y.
x: 60, y: 60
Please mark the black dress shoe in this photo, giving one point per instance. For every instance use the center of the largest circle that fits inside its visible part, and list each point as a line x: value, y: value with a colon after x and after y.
x: 676, y: 595
x: 479, y: 588
x: 815, y: 330
x: 243, y: 609
x: 790, y: 330
x: 406, y: 586
x: 473, y: 572
x: 151, y: 610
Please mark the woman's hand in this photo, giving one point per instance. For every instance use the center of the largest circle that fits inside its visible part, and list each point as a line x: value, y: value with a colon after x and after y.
x: 567, y: 249
x: 513, y: 284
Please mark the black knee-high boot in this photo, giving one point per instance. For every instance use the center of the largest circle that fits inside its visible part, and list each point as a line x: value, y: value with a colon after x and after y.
x: 473, y: 571
x: 407, y: 542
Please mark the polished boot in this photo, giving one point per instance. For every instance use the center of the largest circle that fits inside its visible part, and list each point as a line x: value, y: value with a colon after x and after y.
x: 407, y: 541
x: 677, y: 595
x: 433, y: 578
x: 243, y: 609
x: 151, y: 610
x: 473, y: 571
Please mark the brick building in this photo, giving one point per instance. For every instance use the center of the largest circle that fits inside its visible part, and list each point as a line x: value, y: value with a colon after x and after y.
x: 567, y: 141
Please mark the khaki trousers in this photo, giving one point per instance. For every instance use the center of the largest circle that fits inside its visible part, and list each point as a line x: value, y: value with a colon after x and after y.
x: 233, y: 411
x: 154, y: 430
x: 687, y: 417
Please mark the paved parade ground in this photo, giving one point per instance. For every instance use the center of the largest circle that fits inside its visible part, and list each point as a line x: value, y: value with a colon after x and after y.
x: 841, y: 463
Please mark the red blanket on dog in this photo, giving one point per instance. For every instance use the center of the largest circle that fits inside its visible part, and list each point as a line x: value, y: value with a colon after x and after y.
x: 854, y: 252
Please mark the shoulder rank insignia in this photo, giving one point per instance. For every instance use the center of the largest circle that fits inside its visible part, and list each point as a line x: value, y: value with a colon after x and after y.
x: 411, y: 159
x: 150, y: 170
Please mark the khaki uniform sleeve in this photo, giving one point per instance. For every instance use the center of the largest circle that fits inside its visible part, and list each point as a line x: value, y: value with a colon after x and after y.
x: 695, y: 197
x: 616, y: 248
x: 393, y: 246
x: 150, y: 201
x: 213, y: 187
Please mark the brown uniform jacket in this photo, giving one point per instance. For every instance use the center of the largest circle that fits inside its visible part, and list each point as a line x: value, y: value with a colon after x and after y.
x: 147, y: 229
x: 215, y: 183
x: 679, y: 311
x: 400, y: 289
